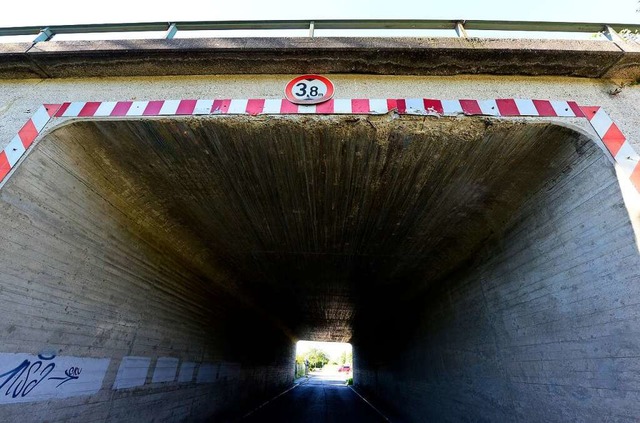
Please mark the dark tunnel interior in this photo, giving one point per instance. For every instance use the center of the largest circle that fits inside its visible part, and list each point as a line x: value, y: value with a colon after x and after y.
x: 230, y: 238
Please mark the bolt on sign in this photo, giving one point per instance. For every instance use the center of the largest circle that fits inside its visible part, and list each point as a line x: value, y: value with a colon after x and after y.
x: 309, y: 89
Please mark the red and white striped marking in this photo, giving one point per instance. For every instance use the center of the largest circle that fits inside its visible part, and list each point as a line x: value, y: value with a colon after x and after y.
x: 259, y: 106
x: 614, y: 140
x: 25, y: 137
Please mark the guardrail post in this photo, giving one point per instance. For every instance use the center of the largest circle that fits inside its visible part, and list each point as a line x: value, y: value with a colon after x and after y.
x: 462, y: 33
x: 623, y: 44
x: 312, y: 28
x: 612, y: 35
x: 45, y: 34
x: 171, y: 32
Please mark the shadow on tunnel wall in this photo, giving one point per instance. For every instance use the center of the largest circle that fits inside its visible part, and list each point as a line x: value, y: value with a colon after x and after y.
x: 473, y: 263
x: 539, y: 324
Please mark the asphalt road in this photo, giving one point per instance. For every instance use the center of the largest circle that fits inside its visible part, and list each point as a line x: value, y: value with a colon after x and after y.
x: 323, y: 399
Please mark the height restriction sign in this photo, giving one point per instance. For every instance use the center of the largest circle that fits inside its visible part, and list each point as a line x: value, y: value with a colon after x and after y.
x: 309, y: 89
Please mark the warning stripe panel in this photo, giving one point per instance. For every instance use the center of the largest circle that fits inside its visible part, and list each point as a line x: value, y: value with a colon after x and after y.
x: 433, y: 106
x: 89, y: 109
x: 575, y: 108
x: 544, y: 108
x: 25, y: 137
x: 28, y: 133
x: 105, y: 108
x: 255, y: 106
x: 610, y: 134
x: 325, y: 108
x: 340, y: 106
x: 121, y: 108
x: 63, y: 108
x: 613, y: 139
x: 378, y: 106
x: 507, y: 107
x: 5, y: 167
x: 359, y: 105
x: 186, y: 107
x: 220, y: 106
x: 288, y: 107
x: 470, y: 107
x: 153, y: 108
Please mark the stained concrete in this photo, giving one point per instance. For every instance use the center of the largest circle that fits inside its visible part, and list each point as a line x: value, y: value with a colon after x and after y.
x: 224, y: 239
x: 84, y: 275
x: 381, y: 56
x: 314, y: 220
x: 20, y: 98
x: 541, y: 325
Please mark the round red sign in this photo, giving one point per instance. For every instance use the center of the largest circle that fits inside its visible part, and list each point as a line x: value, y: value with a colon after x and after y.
x: 309, y: 89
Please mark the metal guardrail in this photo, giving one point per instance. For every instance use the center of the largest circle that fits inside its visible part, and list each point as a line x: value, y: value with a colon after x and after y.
x: 460, y: 26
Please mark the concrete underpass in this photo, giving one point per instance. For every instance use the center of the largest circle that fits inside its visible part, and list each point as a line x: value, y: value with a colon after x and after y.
x: 484, y: 269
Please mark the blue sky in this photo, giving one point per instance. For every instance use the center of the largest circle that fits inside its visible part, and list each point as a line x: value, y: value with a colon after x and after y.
x: 38, y: 12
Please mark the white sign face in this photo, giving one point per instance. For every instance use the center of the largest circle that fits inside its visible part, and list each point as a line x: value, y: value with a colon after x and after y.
x: 309, y: 89
x: 132, y: 372
x: 25, y: 377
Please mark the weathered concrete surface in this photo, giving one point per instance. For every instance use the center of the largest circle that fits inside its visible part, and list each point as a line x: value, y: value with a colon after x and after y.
x: 316, y: 219
x: 222, y: 239
x: 85, y: 274
x: 89, y: 172
x: 382, y: 56
x: 20, y: 98
x: 628, y: 66
x: 541, y: 326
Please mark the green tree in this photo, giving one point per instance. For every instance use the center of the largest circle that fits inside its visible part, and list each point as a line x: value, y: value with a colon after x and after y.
x: 316, y: 357
x: 345, y: 357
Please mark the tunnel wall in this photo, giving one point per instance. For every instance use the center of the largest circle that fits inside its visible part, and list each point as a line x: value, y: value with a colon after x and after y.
x: 542, y: 328
x: 91, y: 287
x: 19, y: 99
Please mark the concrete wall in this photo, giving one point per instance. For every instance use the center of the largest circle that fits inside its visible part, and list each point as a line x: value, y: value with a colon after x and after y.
x: 20, y: 98
x: 541, y: 329
x: 85, y: 275
x: 542, y: 326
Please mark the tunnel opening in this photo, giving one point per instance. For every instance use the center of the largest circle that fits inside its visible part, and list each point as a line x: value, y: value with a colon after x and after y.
x: 327, y: 360
x: 447, y: 251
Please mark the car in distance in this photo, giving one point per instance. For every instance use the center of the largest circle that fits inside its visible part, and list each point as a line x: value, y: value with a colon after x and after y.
x: 345, y: 368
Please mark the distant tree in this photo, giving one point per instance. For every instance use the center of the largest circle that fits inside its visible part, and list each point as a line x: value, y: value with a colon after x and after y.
x: 345, y: 358
x: 317, y: 357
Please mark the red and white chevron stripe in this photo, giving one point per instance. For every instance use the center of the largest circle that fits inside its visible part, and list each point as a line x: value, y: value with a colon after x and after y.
x: 25, y: 137
x: 258, y: 106
x: 613, y: 139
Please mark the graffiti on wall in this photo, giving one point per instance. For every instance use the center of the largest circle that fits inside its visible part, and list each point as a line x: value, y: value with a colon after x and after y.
x: 25, y: 378
x: 28, y: 378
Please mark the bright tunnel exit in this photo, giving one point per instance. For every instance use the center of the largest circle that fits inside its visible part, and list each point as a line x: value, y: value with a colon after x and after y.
x: 332, y: 361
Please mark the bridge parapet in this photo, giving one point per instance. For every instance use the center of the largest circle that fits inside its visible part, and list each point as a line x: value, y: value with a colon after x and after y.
x: 45, y: 57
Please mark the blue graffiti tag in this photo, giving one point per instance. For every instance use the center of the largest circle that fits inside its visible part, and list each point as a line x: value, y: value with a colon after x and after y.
x: 23, y: 379
x: 72, y: 373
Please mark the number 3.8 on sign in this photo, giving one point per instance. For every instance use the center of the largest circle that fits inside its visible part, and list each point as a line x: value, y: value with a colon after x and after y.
x: 309, y: 89
x: 306, y: 91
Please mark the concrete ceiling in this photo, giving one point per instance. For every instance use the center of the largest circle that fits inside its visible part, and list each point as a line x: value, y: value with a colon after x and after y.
x: 319, y: 222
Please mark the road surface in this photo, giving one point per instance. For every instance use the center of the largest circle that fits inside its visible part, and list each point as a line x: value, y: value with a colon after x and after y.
x: 322, y: 399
